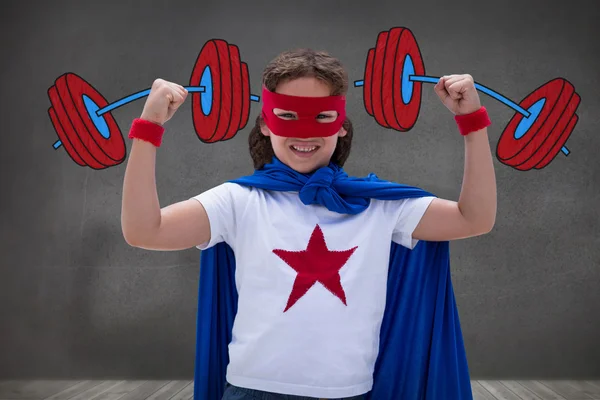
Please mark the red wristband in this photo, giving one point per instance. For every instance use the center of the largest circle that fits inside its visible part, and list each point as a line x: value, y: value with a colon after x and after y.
x: 473, y: 122
x: 147, y: 131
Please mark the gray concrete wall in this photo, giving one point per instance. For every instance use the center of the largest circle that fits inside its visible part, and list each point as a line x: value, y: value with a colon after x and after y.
x: 76, y: 300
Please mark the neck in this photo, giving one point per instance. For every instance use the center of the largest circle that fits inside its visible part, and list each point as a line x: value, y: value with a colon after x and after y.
x: 277, y: 163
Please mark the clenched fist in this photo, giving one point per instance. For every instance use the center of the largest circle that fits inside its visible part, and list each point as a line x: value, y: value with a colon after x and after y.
x: 163, y: 101
x: 458, y: 93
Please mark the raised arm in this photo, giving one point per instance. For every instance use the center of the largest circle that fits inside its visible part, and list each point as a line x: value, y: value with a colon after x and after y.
x: 144, y: 224
x: 474, y: 213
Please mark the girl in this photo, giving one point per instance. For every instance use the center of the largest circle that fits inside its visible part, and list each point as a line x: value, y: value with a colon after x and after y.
x: 315, y: 250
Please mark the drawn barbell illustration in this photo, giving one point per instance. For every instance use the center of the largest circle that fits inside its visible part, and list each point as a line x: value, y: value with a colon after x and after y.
x: 392, y: 86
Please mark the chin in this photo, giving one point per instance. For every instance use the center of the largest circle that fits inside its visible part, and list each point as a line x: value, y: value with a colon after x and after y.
x: 304, y: 163
x: 305, y: 169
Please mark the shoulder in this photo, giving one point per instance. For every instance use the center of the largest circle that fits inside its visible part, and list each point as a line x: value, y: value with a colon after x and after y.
x: 406, y: 213
x: 225, y: 189
x: 404, y: 216
x: 226, y: 194
x: 400, y: 206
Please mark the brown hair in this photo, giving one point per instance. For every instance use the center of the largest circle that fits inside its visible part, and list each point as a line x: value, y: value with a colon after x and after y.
x: 294, y: 64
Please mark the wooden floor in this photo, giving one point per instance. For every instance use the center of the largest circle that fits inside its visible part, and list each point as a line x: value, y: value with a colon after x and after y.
x: 183, y: 390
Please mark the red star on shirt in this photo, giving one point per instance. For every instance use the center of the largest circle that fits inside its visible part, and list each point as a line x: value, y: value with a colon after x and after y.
x: 315, y: 264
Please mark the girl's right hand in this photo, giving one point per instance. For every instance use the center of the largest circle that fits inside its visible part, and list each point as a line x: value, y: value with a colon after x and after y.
x: 163, y: 101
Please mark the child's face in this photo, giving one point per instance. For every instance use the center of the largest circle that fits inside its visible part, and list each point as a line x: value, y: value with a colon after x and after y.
x: 317, y: 150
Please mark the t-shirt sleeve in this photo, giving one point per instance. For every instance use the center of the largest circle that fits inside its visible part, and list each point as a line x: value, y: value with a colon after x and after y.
x: 220, y: 207
x: 408, y: 214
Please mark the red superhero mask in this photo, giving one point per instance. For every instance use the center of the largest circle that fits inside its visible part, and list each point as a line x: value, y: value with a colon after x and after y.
x: 307, y: 109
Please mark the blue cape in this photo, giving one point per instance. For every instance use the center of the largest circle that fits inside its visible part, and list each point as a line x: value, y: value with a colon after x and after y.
x: 422, y: 355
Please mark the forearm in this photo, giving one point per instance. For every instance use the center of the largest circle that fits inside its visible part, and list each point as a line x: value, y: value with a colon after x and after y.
x: 477, y: 201
x: 140, y: 213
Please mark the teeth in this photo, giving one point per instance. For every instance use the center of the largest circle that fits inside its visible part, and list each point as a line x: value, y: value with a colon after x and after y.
x: 304, y: 149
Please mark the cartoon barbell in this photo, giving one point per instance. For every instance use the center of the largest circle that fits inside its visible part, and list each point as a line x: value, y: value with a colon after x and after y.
x: 392, y: 86
x: 543, y: 122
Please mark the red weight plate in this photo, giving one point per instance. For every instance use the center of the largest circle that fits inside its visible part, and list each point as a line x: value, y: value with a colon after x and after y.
x: 389, y: 76
x: 564, y: 136
x: 65, y: 119
x: 212, y: 127
x: 513, y: 151
x: 66, y: 144
x: 226, y: 90
x: 407, y: 114
x: 107, y: 151
x: 533, y: 152
x: 245, y: 96
x: 561, y: 142
x: 206, y: 125
x: 554, y: 136
x: 237, y: 93
x: 376, y: 84
x: 113, y: 146
x: 368, y: 82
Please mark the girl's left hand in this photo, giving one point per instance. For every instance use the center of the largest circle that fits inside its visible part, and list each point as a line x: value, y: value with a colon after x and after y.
x: 458, y: 94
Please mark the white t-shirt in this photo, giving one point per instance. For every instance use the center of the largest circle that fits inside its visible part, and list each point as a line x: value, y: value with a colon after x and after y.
x: 309, y: 316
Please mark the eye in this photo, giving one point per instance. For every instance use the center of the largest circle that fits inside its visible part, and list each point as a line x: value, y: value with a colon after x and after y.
x: 328, y: 116
x: 285, y: 114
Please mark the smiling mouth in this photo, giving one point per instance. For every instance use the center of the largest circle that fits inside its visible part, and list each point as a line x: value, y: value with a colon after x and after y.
x: 304, y: 150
